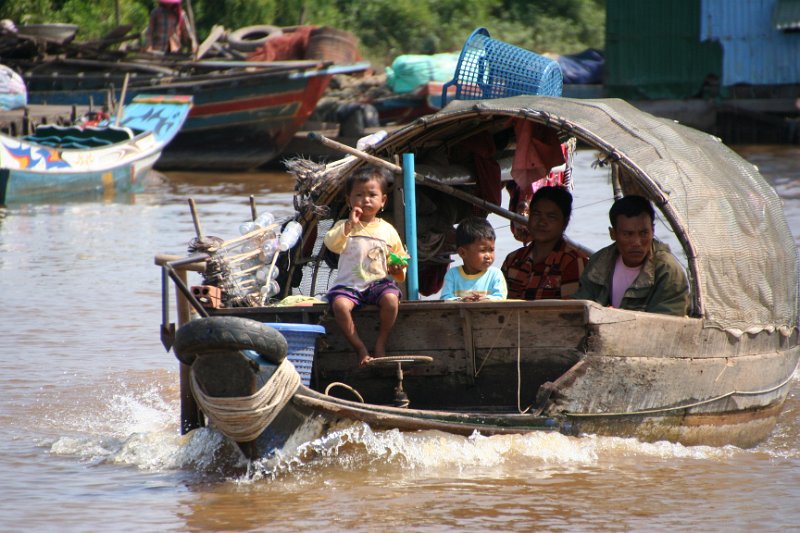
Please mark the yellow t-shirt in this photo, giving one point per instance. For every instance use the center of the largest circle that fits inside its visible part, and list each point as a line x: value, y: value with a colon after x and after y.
x: 364, y: 252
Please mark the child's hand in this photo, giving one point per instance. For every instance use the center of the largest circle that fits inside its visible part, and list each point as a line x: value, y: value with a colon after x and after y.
x: 395, y: 269
x: 355, y: 215
x: 472, y: 297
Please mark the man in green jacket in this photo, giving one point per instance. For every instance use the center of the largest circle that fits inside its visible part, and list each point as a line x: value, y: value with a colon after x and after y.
x: 636, y: 272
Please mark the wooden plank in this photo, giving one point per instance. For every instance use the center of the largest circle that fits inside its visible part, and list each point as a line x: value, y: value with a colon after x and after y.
x: 216, y: 32
x: 620, y: 333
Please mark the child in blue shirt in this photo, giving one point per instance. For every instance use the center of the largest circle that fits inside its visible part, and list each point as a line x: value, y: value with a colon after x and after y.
x: 476, y: 279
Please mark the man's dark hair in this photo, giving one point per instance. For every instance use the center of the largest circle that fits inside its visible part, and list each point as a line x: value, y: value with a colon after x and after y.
x: 473, y: 228
x: 631, y: 206
x: 559, y: 196
x: 381, y: 175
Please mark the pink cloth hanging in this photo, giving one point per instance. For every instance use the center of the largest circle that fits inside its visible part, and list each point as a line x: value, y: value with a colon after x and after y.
x: 538, y: 151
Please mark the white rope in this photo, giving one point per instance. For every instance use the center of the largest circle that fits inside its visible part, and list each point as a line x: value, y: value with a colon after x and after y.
x: 243, y: 418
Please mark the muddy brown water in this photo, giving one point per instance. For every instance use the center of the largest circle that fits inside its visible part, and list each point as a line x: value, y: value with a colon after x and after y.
x: 89, y: 405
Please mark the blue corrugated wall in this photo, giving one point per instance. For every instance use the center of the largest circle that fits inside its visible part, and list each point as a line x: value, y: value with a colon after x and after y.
x: 754, y: 52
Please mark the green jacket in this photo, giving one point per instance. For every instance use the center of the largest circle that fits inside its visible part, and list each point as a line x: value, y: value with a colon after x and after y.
x: 661, y: 286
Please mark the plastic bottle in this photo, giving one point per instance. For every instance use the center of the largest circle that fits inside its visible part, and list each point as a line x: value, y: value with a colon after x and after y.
x: 371, y: 140
x: 264, y: 219
x: 270, y: 289
x: 246, y: 227
x: 290, y: 235
x: 269, y: 249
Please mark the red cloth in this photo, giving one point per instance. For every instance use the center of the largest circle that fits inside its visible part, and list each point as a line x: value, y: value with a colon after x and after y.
x: 487, y: 169
x: 288, y: 46
x: 431, y: 277
x: 538, y: 150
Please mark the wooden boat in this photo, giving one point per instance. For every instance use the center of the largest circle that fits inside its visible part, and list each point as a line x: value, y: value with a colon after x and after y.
x: 244, y: 113
x: 59, y: 161
x: 717, y: 377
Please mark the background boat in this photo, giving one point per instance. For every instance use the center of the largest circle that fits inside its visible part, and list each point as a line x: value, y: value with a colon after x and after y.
x: 58, y: 161
x: 244, y: 113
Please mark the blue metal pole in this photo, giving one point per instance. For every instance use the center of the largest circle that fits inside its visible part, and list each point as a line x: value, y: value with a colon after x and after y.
x: 412, y: 276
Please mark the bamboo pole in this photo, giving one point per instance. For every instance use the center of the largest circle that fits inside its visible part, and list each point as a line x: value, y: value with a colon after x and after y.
x: 121, y: 105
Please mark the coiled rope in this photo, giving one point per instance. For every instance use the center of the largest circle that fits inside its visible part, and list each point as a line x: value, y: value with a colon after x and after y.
x: 243, y: 418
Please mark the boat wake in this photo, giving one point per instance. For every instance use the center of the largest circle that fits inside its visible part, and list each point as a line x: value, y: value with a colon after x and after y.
x: 136, y: 427
x: 359, y: 448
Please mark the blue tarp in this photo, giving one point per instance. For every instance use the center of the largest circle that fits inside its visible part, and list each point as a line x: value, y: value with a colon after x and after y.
x: 583, y: 68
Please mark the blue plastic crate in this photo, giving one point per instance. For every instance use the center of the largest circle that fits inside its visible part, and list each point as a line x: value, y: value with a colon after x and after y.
x: 488, y: 68
x: 302, y: 341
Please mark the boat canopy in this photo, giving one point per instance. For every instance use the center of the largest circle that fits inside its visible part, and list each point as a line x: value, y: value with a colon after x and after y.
x: 742, y: 258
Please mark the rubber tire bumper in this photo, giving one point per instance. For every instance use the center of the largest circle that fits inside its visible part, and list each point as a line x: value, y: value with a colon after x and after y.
x: 251, y: 38
x: 216, y: 333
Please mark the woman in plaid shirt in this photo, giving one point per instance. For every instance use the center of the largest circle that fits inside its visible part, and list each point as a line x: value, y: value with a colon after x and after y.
x: 169, y: 29
x: 548, y: 267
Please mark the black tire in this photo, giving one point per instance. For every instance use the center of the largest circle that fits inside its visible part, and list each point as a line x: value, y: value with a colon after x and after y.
x: 212, y: 334
x: 251, y: 38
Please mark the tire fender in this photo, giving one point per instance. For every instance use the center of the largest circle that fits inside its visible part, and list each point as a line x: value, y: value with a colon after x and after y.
x: 212, y: 334
x: 250, y: 38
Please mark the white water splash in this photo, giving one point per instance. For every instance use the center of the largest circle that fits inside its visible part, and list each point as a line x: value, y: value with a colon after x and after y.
x: 138, y: 427
x: 540, y: 454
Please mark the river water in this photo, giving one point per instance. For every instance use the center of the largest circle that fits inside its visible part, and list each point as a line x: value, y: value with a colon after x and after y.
x: 89, y: 405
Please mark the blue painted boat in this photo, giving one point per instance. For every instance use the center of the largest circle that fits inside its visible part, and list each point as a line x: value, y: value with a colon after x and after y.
x: 58, y: 161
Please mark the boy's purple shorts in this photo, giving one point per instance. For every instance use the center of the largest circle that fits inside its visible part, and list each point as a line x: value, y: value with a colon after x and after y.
x: 369, y: 296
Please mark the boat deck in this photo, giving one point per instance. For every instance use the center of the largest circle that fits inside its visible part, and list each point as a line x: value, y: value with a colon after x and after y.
x: 23, y: 121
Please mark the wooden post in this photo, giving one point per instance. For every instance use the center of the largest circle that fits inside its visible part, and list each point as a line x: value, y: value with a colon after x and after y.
x: 253, y: 210
x: 191, y: 417
x: 196, y: 219
x: 615, y: 181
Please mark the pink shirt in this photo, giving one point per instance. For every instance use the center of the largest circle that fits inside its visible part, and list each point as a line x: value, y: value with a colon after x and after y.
x: 623, y: 277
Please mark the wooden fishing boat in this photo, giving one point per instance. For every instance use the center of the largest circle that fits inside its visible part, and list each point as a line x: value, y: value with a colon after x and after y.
x: 244, y: 113
x: 717, y: 377
x: 59, y: 161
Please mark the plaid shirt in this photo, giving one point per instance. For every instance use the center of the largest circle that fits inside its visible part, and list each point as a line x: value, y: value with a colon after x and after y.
x: 167, y: 31
x: 536, y: 281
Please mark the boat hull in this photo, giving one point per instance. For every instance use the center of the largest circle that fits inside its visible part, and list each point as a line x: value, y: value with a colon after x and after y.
x: 696, y: 392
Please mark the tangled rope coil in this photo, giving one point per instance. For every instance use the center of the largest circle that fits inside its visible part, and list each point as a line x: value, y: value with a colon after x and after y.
x: 243, y: 418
